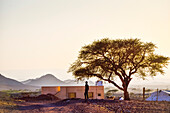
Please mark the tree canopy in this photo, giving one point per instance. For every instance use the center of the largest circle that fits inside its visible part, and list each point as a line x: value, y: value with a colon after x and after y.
x: 124, y: 58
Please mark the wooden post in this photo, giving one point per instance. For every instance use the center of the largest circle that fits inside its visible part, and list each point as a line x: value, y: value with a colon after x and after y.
x: 157, y: 95
x: 143, y: 93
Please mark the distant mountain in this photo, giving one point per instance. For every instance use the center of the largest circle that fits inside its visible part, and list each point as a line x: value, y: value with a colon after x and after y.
x: 68, y: 81
x: 27, y: 81
x: 74, y: 82
x: 7, y: 83
x: 46, y: 80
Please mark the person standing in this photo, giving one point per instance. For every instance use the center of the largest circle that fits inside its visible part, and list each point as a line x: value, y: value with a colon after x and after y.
x: 86, y: 91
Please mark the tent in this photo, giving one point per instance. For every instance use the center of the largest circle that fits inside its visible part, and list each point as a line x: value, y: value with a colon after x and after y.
x: 160, y: 96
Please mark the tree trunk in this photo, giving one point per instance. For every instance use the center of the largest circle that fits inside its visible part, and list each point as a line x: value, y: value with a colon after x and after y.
x: 126, y: 94
x: 125, y: 87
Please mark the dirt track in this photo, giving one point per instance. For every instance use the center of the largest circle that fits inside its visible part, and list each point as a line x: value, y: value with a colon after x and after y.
x: 93, y: 106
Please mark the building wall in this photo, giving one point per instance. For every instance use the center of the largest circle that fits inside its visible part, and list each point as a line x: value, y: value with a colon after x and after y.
x: 50, y: 89
x: 65, y: 91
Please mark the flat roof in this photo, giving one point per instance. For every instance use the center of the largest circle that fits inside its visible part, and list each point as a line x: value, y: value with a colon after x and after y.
x: 71, y: 86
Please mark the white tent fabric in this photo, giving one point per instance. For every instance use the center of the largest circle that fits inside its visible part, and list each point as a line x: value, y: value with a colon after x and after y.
x: 161, y: 96
x: 121, y: 98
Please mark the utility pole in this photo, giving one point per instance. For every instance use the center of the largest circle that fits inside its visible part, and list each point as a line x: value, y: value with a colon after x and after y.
x: 157, y: 95
x: 143, y: 93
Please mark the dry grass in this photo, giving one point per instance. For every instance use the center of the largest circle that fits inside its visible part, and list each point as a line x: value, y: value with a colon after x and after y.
x: 7, y: 104
x: 8, y: 107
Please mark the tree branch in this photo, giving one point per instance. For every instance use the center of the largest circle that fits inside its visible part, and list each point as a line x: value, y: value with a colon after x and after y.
x: 112, y: 83
x: 136, y: 67
x: 99, y: 76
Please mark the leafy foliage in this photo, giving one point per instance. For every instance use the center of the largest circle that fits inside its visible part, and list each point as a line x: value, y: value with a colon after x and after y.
x: 107, y: 58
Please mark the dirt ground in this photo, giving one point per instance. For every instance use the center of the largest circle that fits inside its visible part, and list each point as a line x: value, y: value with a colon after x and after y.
x: 92, y: 106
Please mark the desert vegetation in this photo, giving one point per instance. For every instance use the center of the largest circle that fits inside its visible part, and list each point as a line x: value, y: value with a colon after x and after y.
x: 7, y: 104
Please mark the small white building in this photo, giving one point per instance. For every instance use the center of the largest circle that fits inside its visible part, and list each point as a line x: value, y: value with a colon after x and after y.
x: 160, y: 96
x: 99, y: 83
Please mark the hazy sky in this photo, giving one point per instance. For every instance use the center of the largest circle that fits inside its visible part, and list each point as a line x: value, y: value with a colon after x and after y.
x: 45, y: 36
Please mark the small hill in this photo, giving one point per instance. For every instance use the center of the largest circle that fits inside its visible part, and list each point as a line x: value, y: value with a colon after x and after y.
x: 7, y: 83
x: 46, y: 80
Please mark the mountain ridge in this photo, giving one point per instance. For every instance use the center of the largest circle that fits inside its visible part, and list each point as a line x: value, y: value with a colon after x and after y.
x: 45, y: 80
x: 8, y: 83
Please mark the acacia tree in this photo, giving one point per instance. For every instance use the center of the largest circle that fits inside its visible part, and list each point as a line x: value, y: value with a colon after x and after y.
x: 123, y: 58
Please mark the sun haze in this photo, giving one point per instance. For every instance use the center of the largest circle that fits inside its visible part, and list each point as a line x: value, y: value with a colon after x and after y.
x: 41, y: 36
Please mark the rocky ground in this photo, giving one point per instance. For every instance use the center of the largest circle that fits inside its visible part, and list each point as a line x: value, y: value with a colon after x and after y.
x: 92, y: 106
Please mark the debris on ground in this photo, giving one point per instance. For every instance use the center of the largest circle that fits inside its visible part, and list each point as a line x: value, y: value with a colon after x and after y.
x: 40, y: 97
